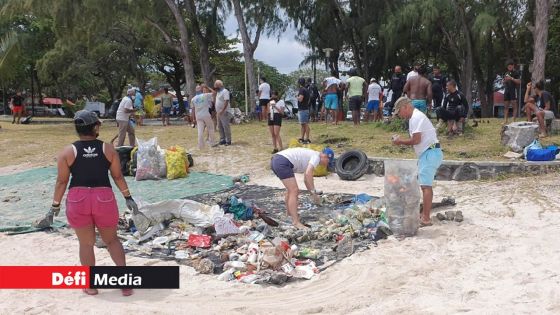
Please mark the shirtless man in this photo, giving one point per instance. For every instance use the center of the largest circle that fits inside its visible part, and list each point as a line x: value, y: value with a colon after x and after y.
x: 330, y: 97
x: 419, y: 89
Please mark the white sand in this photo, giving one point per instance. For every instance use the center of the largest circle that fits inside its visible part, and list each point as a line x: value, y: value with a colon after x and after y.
x: 504, y: 258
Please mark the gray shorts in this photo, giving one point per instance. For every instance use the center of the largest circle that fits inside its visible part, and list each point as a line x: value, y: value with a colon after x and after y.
x: 282, y: 167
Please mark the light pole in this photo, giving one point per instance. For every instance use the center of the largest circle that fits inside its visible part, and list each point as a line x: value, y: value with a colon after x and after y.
x: 520, y: 100
x: 327, y: 52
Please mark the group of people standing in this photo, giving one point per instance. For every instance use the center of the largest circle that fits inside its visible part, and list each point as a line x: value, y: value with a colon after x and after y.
x: 207, y: 104
x: 432, y: 92
x: 210, y: 107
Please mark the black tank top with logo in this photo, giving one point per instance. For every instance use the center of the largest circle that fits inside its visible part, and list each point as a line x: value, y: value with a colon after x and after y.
x: 91, y: 167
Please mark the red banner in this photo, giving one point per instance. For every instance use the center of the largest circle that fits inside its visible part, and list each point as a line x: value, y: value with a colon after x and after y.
x: 77, y: 277
x: 44, y: 277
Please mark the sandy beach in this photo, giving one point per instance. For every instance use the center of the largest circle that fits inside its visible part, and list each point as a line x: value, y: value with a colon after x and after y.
x: 504, y: 258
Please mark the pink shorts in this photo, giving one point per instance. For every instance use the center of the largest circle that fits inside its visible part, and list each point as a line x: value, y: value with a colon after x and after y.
x: 92, y: 206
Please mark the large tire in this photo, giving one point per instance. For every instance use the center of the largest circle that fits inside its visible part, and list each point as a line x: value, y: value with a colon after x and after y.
x: 352, y: 165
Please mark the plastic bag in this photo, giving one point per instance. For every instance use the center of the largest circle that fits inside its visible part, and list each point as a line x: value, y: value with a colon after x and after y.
x: 320, y: 170
x: 534, y: 145
x: 199, y: 240
x: 192, y: 212
x: 176, y: 163
x: 133, y: 161
x: 150, y: 160
x: 402, y: 196
x: 546, y: 154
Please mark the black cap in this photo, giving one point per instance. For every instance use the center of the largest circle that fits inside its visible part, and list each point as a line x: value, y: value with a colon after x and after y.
x: 85, y: 118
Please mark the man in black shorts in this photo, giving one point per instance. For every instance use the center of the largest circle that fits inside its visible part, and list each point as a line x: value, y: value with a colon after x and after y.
x: 264, y: 97
x: 276, y: 108
x: 438, y: 86
x: 510, y: 81
x: 356, y: 90
x: 454, y: 110
x: 303, y: 111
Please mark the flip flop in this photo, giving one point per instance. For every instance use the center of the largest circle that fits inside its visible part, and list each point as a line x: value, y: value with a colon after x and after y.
x: 425, y: 224
x: 90, y: 291
x: 127, y: 292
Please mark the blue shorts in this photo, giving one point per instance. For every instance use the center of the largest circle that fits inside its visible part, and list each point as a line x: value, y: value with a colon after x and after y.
x: 421, y: 105
x: 428, y: 164
x: 373, y: 106
x: 331, y: 101
x: 166, y: 110
x: 303, y: 116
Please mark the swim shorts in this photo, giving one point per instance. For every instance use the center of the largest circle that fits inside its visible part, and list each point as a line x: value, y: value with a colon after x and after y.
x: 428, y: 164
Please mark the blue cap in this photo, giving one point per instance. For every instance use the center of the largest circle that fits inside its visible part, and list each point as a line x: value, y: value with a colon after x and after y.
x: 330, y: 153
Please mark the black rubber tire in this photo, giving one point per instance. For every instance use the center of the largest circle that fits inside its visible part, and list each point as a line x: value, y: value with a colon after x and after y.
x: 352, y: 165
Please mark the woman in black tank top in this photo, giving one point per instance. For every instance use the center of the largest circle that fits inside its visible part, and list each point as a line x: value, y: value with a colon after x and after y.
x: 90, y: 202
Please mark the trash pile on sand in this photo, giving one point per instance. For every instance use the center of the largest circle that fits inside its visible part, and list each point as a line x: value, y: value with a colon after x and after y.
x: 237, y: 240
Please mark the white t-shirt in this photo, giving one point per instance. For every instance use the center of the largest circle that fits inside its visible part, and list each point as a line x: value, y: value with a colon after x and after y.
x: 373, y: 92
x: 221, y: 98
x: 265, y: 91
x: 301, y: 158
x: 272, y: 109
x: 201, y: 104
x: 420, y: 123
x: 126, y: 103
x: 332, y: 80
x: 411, y: 74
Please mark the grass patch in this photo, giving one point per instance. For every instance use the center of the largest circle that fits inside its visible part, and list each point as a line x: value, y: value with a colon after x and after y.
x: 39, y: 143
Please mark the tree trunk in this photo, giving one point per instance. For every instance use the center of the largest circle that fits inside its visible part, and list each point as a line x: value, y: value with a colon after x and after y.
x: 488, y: 106
x: 540, y: 36
x: 205, y: 66
x: 5, y: 99
x: 468, y: 69
x: 184, y: 45
x: 39, y: 87
x: 248, y: 49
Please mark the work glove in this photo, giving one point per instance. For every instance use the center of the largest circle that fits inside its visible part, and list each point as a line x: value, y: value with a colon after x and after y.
x: 55, y: 209
x: 131, y: 204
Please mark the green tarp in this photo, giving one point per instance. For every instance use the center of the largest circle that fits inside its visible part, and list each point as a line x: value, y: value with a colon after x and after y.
x: 27, y: 196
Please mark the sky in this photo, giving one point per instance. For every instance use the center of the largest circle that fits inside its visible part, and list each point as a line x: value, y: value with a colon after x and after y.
x: 285, y: 54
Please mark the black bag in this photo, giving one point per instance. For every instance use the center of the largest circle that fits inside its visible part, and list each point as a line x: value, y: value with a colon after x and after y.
x: 124, y: 157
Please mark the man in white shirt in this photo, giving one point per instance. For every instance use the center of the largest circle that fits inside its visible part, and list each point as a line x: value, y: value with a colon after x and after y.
x: 222, y: 111
x: 299, y: 160
x: 201, y: 104
x: 373, y: 105
x: 264, y: 97
x: 123, y: 118
x: 424, y: 139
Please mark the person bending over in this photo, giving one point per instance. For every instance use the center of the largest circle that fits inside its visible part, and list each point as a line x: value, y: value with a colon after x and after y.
x: 299, y: 160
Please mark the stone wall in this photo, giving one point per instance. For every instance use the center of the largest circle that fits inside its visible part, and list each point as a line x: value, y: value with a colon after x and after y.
x: 474, y: 170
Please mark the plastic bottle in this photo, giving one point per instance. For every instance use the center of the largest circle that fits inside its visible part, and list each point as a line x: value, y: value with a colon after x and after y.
x: 402, y: 197
x: 309, y: 253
